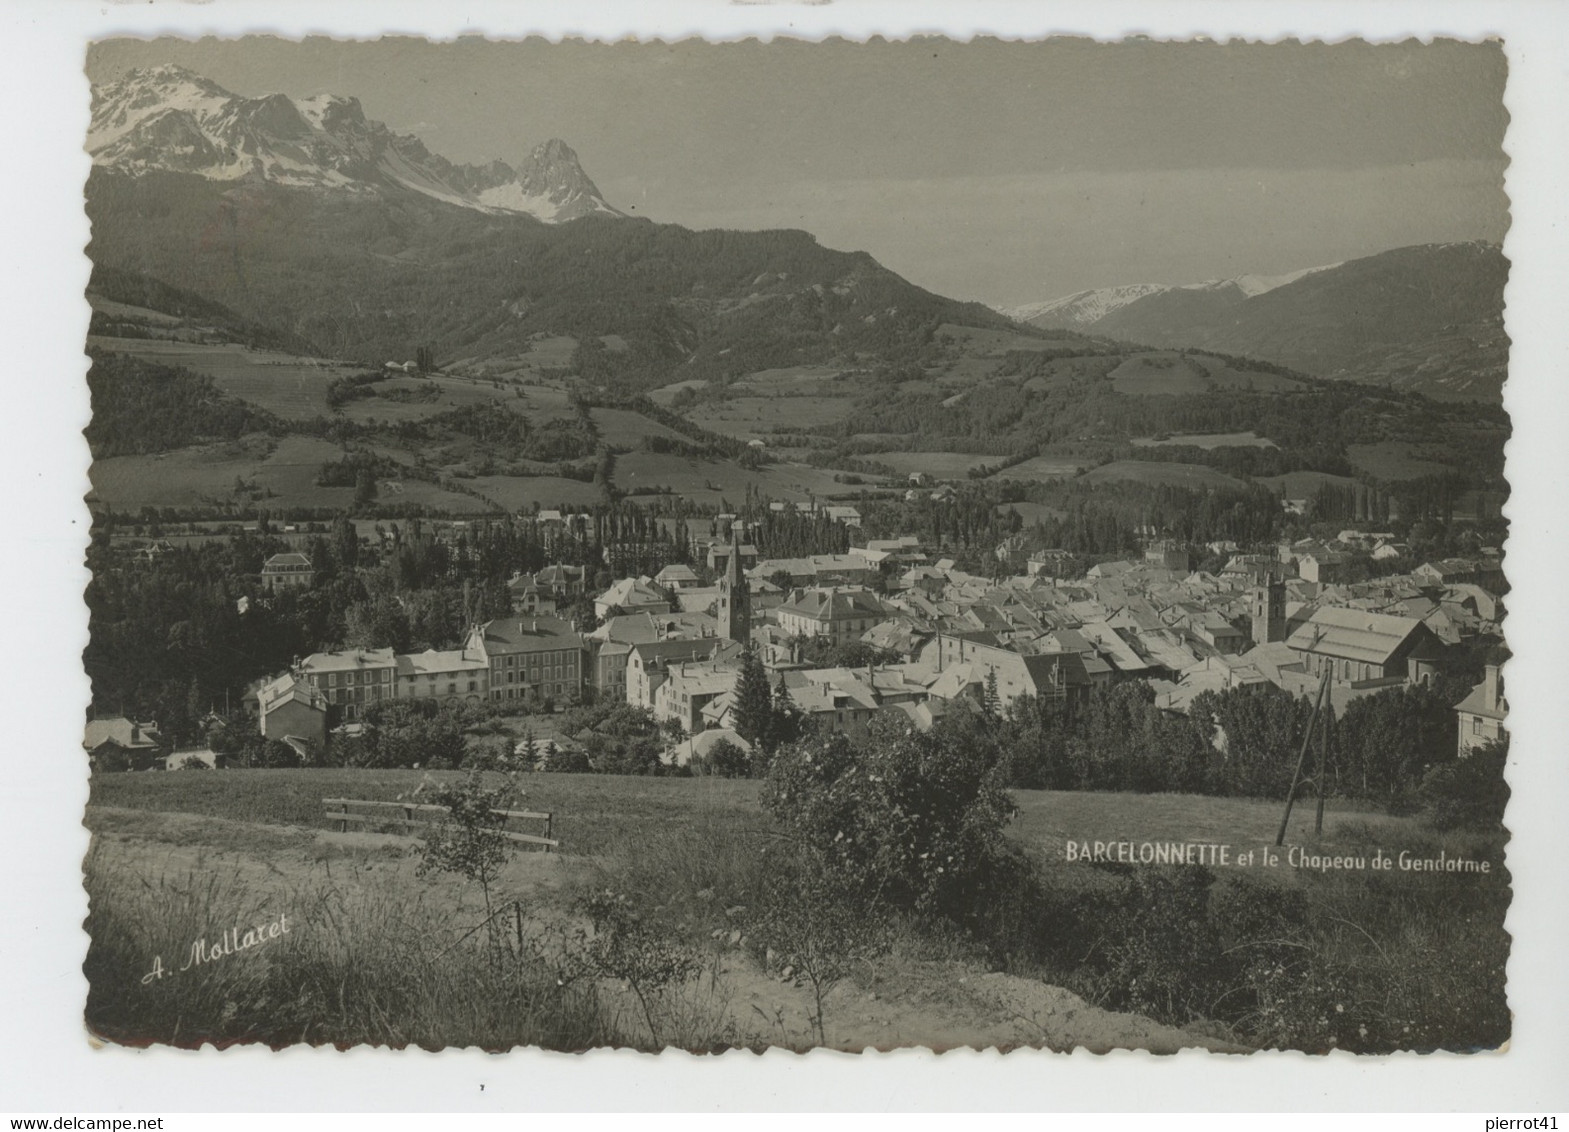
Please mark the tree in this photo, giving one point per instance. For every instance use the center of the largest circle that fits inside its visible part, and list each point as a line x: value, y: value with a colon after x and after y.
x: 468, y: 840
x: 364, y: 488
x: 754, y: 705
x: 1470, y: 792
x: 1387, y: 742
x: 723, y: 760
x: 904, y: 819
x: 989, y: 697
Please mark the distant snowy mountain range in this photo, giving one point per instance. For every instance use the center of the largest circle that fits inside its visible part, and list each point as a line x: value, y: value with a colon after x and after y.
x: 1082, y: 310
x: 1427, y: 317
x: 168, y: 119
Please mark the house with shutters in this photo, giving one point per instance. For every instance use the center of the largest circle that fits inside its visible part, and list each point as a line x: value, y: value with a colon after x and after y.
x: 529, y: 658
x: 351, y: 679
x: 443, y: 674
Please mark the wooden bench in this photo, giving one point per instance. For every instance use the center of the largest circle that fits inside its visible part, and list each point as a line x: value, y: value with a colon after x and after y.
x: 414, y: 815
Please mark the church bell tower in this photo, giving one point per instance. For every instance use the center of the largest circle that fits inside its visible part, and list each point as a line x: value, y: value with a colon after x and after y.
x: 735, y: 598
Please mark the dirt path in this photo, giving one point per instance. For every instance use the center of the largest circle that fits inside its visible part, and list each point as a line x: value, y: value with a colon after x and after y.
x: 896, y: 1002
x: 945, y: 1005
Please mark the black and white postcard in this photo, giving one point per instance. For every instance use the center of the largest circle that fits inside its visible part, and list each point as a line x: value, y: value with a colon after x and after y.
x: 736, y: 545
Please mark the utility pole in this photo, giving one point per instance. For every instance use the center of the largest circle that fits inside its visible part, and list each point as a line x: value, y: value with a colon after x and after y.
x: 1296, y: 776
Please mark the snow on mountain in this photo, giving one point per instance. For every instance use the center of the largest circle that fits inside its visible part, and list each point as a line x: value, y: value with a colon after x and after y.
x: 168, y: 119
x: 1252, y: 285
x: 1085, y: 308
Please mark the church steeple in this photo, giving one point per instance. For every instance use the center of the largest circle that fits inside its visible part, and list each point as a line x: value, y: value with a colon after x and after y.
x: 735, y: 597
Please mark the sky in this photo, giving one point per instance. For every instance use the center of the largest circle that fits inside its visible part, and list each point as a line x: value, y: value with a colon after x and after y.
x: 1004, y: 172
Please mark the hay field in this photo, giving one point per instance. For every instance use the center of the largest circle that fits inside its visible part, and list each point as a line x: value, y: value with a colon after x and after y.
x: 1153, y: 472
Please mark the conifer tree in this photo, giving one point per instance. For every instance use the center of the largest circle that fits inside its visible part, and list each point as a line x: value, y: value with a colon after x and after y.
x: 754, y: 706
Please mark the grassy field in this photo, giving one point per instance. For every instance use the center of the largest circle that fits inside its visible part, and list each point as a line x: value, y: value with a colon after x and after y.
x: 550, y: 352
x: 1301, y: 485
x: 1208, y: 440
x: 592, y: 811
x: 942, y: 465
x: 207, y: 473
x: 1031, y: 513
x: 1394, y: 460
x: 710, y: 481
x: 756, y: 417
x: 665, y: 394
x: 1156, y: 374
x: 1227, y: 378
x: 981, y: 339
x: 1042, y: 468
x: 622, y: 428
x: 287, y: 386
x: 1153, y: 472
x: 282, y: 473
x: 787, y: 380
x: 595, y: 811
x: 1263, y: 956
x: 518, y: 493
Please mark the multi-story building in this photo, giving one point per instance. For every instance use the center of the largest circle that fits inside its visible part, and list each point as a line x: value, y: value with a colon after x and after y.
x: 351, y: 679
x: 290, y: 707
x: 689, y: 687
x: 530, y: 658
x: 1482, y: 712
x: 290, y: 570
x: 841, y: 615
x: 648, y: 665
x: 449, y: 674
x: 609, y: 649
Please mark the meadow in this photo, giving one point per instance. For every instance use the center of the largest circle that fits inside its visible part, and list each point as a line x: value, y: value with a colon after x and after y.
x: 622, y: 428
x: 592, y: 811
x: 1042, y: 468
x: 522, y: 493
x: 280, y: 472
x: 595, y: 812
x: 940, y: 465
x: 750, y: 418
x: 668, y: 871
x: 1151, y: 472
x: 1155, y: 374
x: 714, y: 480
x: 287, y: 386
x: 1207, y: 440
x: 1393, y: 460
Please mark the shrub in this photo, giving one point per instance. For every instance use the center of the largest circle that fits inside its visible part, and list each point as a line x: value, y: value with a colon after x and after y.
x: 723, y: 760
x: 906, y: 819
x: 806, y: 927
x: 1469, y: 793
x: 627, y: 947
x: 468, y: 840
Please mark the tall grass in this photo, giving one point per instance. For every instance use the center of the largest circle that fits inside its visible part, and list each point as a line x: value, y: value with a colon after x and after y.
x: 372, y: 967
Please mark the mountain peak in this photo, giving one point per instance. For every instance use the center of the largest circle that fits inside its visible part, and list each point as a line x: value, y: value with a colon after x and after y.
x: 551, y: 184
x: 167, y: 118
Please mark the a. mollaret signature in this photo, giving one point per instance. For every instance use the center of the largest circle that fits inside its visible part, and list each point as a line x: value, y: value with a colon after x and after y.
x: 229, y: 942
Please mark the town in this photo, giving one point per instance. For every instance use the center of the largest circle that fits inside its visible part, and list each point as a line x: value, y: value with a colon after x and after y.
x: 891, y: 626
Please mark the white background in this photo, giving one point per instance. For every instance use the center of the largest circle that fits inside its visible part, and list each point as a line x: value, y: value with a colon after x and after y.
x: 46, y: 1062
